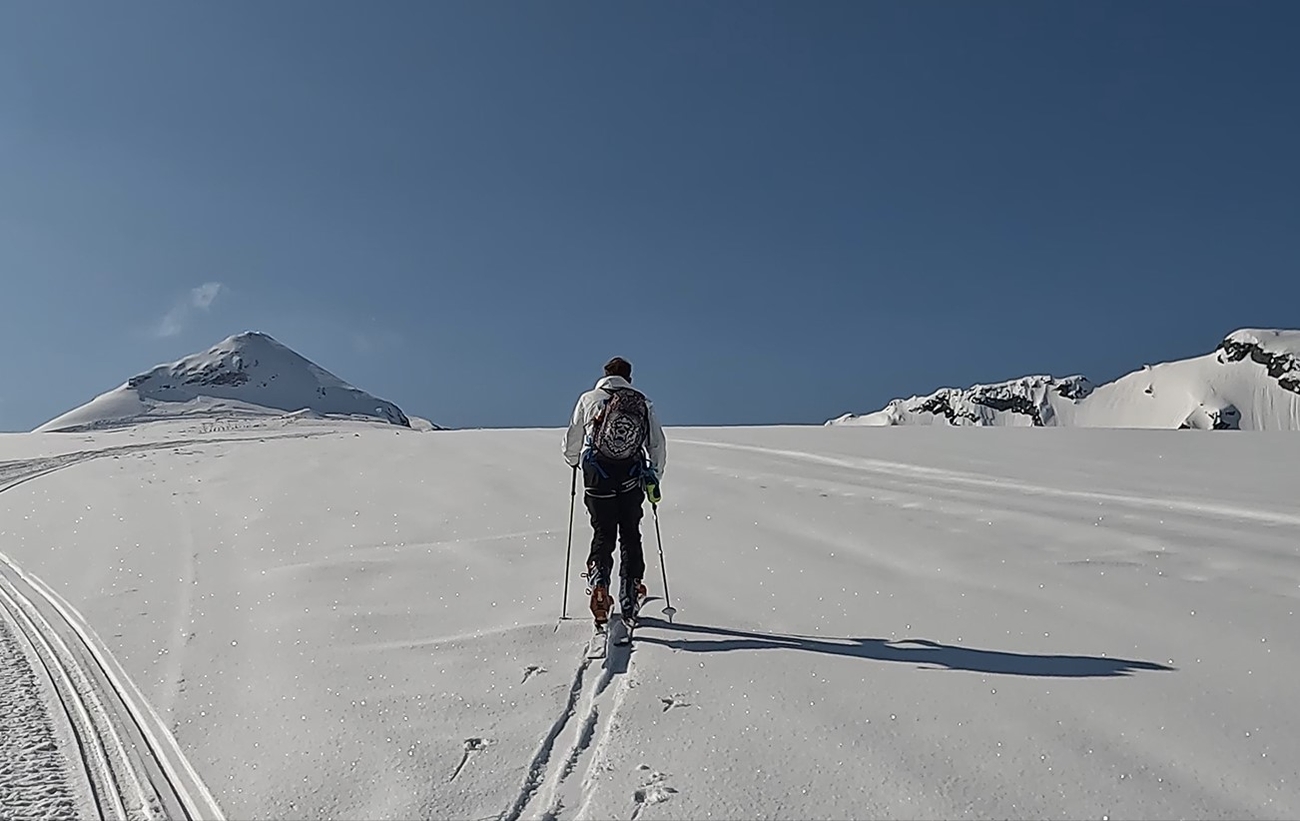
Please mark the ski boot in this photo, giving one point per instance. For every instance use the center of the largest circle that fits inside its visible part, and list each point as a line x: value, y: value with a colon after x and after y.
x: 631, y: 597
x: 600, y: 605
x: 601, y: 601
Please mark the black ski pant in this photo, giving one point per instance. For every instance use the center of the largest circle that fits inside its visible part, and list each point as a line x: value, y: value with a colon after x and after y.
x: 616, y: 519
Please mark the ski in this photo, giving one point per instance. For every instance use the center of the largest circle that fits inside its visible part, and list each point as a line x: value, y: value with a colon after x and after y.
x: 597, y: 644
x: 624, y: 636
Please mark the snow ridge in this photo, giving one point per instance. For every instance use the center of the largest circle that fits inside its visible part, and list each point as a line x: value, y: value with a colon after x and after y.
x: 1024, y: 401
x: 1277, y: 351
x: 1250, y: 382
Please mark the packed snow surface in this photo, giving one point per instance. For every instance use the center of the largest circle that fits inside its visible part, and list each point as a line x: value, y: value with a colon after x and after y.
x: 248, y: 374
x: 1250, y: 382
x: 343, y: 620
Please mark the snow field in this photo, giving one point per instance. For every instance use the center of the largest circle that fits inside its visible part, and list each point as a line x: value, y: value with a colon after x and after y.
x: 347, y: 620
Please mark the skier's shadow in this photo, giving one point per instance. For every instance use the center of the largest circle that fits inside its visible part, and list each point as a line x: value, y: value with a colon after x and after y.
x: 920, y: 652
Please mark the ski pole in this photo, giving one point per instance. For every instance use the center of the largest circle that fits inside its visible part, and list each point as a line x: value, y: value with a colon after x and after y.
x: 669, y: 610
x: 568, y: 552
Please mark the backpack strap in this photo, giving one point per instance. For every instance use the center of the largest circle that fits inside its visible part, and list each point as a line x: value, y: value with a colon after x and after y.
x: 589, y: 458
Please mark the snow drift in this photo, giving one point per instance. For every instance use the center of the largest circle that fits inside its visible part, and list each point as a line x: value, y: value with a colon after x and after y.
x: 1250, y: 382
x: 249, y: 374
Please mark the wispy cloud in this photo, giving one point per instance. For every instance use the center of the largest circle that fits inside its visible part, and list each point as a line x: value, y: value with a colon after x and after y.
x: 198, y: 299
x: 202, y: 296
x: 366, y: 342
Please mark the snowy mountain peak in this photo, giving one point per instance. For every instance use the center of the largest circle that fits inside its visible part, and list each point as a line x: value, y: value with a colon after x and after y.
x: 236, y: 361
x: 249, y: 373
x: 1251, y: 382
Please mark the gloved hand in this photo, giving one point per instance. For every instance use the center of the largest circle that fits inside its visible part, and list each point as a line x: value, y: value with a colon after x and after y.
x: 652, y: 491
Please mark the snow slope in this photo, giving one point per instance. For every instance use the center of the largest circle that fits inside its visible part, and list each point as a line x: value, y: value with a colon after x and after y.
x: 247, y: 374
x: 344, y: 620
x: 1250, y: 382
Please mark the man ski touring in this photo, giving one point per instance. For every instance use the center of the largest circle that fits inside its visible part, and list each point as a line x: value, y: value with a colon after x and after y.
x: 615, y: 437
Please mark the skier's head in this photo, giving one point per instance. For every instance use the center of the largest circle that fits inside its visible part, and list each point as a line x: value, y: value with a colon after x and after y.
x: 618, y: 366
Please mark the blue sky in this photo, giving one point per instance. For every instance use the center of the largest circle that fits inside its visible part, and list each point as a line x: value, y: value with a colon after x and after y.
x: 778, y: 211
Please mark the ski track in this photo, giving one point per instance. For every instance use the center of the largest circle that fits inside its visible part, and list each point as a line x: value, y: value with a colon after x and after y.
x: 37, y: 777
x: 112, y: 766
x: 92, y: 687
x: 902, y: 472
x: 114, y: 783
x: 20, y: 471
x: 537, y: 768
x: 102, y: 711
x: 166, y: 766
x: 548, y: 789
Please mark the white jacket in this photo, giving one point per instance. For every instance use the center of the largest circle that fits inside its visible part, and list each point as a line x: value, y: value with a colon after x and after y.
x: 589, y: 404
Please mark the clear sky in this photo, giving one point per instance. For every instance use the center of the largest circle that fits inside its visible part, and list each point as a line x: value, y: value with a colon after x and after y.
x: 779, y: 211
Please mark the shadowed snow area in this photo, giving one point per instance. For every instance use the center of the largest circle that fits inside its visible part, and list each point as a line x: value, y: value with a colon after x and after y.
x: 346, y: 620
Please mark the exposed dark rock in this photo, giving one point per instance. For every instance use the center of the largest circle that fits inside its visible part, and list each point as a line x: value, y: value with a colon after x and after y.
x: 219, y: 376
x: 1074, y: 389
x: 1227, y: 417
x: 1281, y: 366
x: 998, y: 398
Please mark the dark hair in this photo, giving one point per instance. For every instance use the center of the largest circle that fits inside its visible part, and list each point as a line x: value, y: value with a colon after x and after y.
x: 618, y: 366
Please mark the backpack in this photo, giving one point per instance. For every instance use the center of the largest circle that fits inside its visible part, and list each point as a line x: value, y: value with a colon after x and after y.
x: 622, y: 426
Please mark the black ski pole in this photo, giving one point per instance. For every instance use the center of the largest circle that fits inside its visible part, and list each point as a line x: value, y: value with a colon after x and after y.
x: 568, y: 552
x: 669, y: 610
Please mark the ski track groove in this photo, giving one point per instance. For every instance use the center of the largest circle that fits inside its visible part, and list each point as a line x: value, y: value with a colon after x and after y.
x: 548, y: 774
x: 903, y: 472
x: 165, y: 756
x: 39, y: 776
x: 537, y: 768
x: 20, y: 471
x: 90, y: 722
x: 130, y: 714
x: 92, y: 769
x: 589, y: 739
x: 598, y: 751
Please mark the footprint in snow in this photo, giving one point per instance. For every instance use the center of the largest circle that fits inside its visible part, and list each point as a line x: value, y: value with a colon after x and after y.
x: 676, y: 700
x: 471, y: 745
x: 653, y: 791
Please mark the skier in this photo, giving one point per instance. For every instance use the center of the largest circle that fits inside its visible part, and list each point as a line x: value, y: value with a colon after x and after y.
x: 615, y: 437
